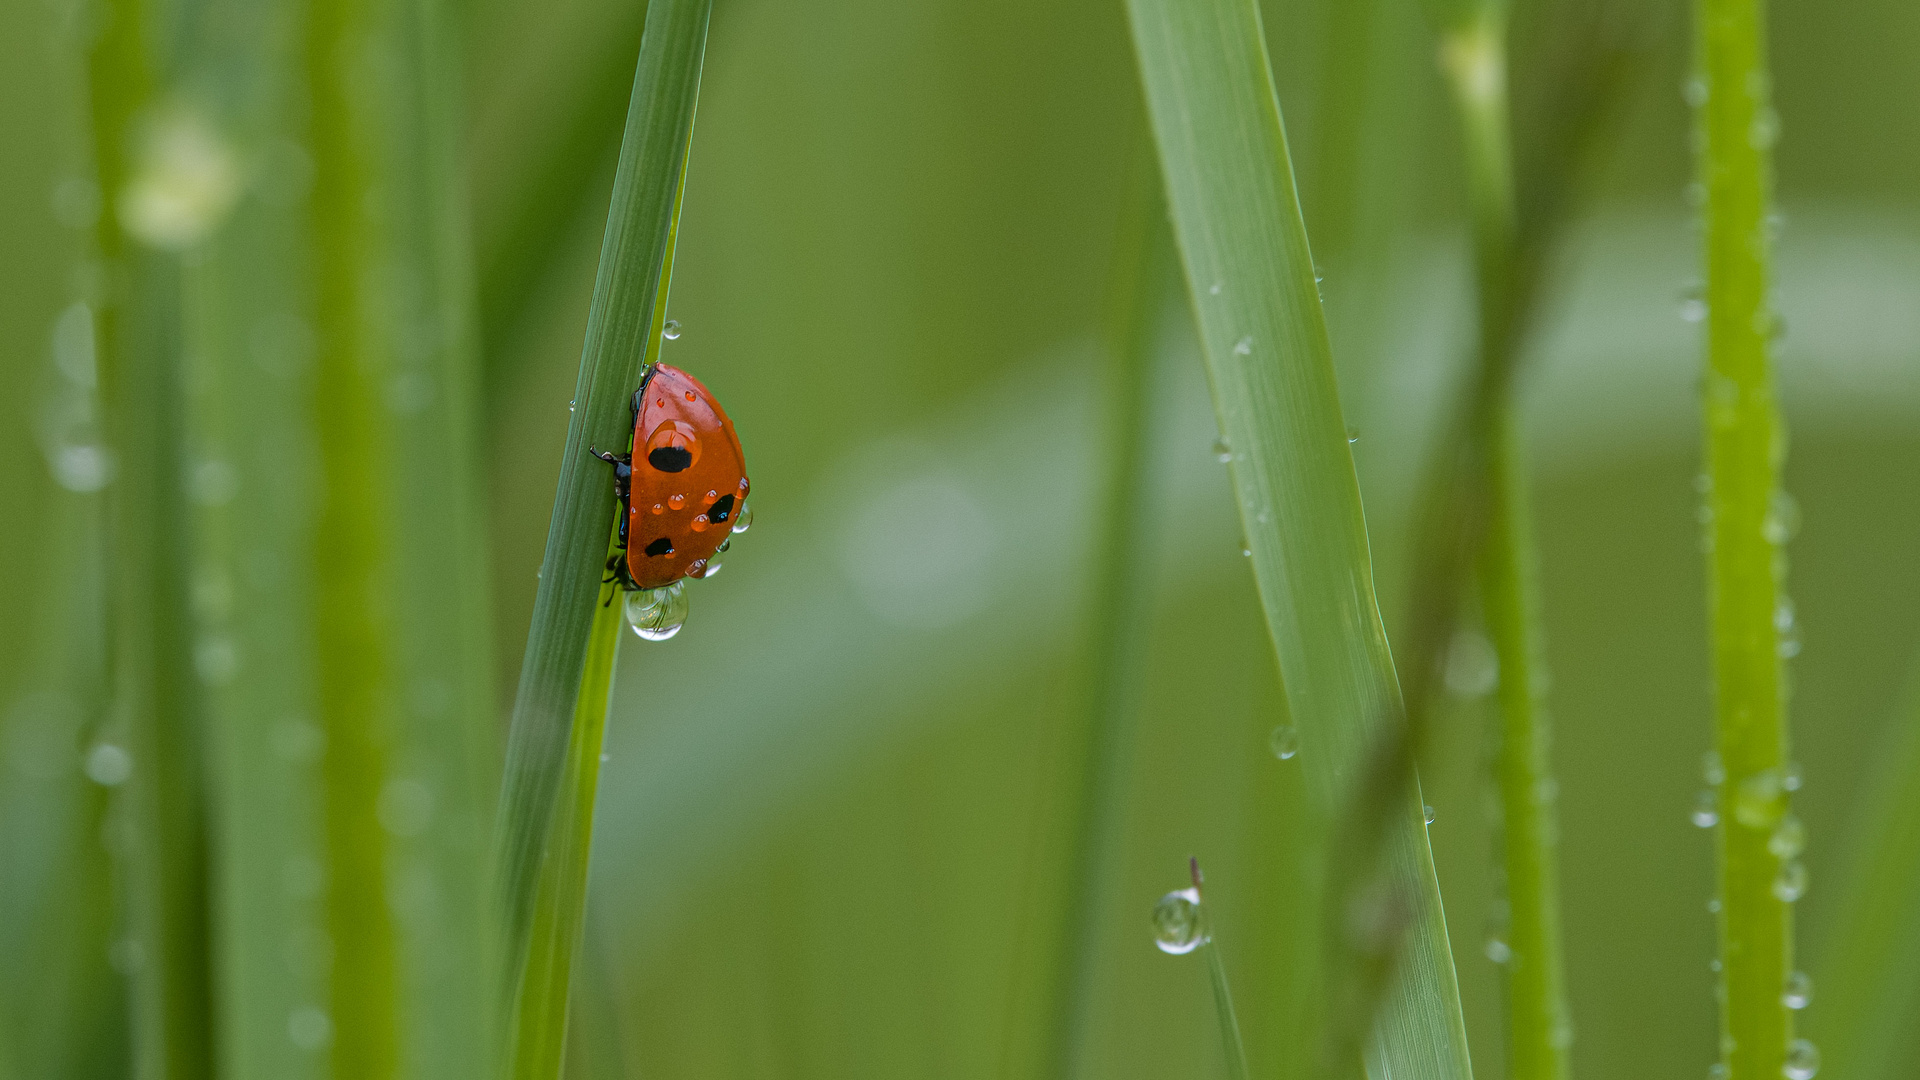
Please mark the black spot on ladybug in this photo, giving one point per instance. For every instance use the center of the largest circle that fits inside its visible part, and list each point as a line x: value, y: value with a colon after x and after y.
x: 722, y: 507
x: 669, y: 458
x: 662, y: 546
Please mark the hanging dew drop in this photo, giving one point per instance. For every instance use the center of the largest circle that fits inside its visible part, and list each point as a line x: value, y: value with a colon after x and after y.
x: 1284, y: 742
x: 743, y: 520
x: 657, y: 614
x: 1803, y: 1060
x: 1178, y: 922
x: 1790, y: 883
x: 1789, y: 838
x: 1222, y: 450
x: 1706, y: 810
x: 1799, y: 991
x: 1497, y: 950
x: 671, y: 331
x: 1429, y: 813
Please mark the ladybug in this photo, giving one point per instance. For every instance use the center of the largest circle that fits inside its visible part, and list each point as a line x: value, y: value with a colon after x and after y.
x: 683, y: 487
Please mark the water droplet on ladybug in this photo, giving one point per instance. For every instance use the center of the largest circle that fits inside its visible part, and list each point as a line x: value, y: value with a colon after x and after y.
x: 691, y: 397
x: 744, y: 519
x: 676, y: 501
x: 709, y: 498
x: 671, y: 331
x: 713, y: 567
x: 657, y: 614
x: 700, y: 523
x: 659, y: 509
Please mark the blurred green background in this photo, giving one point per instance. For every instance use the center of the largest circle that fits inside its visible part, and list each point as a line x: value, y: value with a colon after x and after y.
x: 831, y: 821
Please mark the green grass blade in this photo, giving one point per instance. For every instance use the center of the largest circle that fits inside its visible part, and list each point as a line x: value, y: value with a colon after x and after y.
x: 1143, y: 276
x: 1735, y: 128
x: 1868, y: 976
x: 622, y: 327
x: 1230, y: 1045
x: 1539, y: 1027
x: 1229, y: 181
x: 159, y: 813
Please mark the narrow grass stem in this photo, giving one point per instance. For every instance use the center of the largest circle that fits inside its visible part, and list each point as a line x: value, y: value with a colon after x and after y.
x: 1142, y: 277
x: 160, y: 813
x: 1230, y: 1043
x: 1538, y: 1024
x: 1758, y: 879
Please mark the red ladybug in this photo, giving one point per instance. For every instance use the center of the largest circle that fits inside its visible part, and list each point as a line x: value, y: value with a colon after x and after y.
x: 683, y: 487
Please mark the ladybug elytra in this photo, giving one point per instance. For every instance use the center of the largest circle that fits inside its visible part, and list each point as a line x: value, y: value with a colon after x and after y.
x: 684, y: 486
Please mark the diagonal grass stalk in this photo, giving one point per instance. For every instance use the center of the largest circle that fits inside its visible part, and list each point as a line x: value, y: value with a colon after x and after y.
x: 568, y: 667
x: 1759, y: 875
x: 1538, y: 1025
x: 1229, y: 181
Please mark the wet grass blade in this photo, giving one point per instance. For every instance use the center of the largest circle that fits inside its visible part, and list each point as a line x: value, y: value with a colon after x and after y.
x: 562, y: 695
x: 1759, y: 876
x: 1230, y: 185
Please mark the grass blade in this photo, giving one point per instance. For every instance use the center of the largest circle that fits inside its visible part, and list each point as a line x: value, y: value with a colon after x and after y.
x: 1539, y: 1027
x: 1735, y: 128
x: 1869, y: 971
x: 1143, y: 276
x: 569, y: 648
x: 1230, y: 184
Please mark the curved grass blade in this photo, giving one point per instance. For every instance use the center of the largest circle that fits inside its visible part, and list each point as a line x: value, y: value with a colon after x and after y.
x: 562, y: 695
x: 1539, y: 1026
x: 1229, y: 181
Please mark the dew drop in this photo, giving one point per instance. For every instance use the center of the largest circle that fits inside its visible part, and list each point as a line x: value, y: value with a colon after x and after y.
x: 699, y: 523
x: 1429, y: 813
x: 1706, y: 811
x: 1284, y: 742
x: 657, y: 614
x: 1803, y: 1060
x: 1718, y: 1071
x: 1472, y: 667
x: 1790, y: 778
x: 659, y: 509
x: 1178, y: 922
x: 108, y: 765
x: 671, y: 331
x: 309, y: 1027
x: 1712, y: 770
x: 1783, y: 518
x: 1799, y: 991
x: 1222, y: 450
x: 713, y: 567
x: 1693, y: 310
x: 676, y: 501
x: 1790, y: 883
x: 1713, y: 906
x: 1213, y: 289
x: 1498, y: 950
x: 1353, y: 436
x: 1243, y: 347
x: 1694, y: 91
x: 1761, y: 134
x: 743, y: 519
x: 1246, y: 553
x: 1758, y: 804
x: 1789, y: 838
